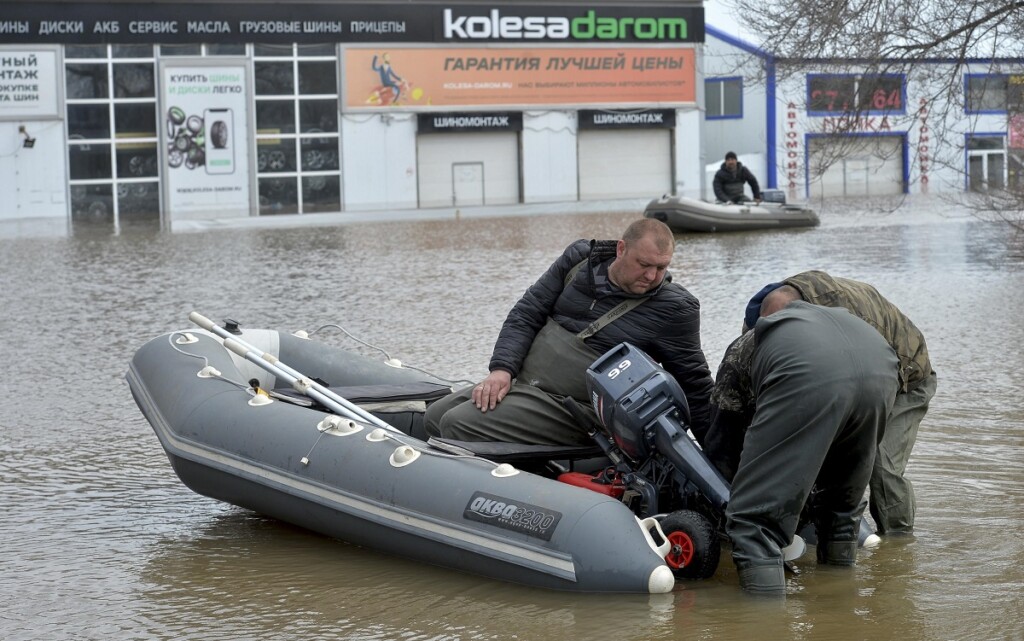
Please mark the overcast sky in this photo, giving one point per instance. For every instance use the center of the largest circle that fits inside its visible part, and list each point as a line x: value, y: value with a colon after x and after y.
x: 719, y: 14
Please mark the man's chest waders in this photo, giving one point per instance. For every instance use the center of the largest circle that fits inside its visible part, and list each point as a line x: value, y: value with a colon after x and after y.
x: 558, y: 359
x: 532, y: 412
x: 557, y: 363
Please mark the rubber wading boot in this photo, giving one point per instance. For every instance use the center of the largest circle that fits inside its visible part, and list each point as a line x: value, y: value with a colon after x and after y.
x: 768, y: 580
x: 837, y: 552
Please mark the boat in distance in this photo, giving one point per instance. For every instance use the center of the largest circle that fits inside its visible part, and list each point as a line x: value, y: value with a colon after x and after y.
x: 684, y: 214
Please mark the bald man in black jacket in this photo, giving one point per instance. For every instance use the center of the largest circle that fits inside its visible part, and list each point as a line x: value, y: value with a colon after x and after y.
x: 597, y: 294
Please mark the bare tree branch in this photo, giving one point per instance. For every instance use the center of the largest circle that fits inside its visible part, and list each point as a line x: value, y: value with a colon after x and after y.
x: 930, y: 42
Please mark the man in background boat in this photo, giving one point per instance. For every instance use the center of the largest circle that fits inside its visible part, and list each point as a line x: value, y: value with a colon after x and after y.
x: 799, y: 402
x: 892, y: 501
x: 730, y: 179
x: 597, y: 294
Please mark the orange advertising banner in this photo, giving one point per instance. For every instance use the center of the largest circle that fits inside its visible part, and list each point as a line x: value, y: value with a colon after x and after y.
x: 420, y: 78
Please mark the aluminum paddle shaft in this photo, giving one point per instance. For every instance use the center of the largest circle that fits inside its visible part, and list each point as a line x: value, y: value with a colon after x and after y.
x: 296, y: 379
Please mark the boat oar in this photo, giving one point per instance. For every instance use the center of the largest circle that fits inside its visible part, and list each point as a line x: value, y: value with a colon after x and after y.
x: 296, y: 379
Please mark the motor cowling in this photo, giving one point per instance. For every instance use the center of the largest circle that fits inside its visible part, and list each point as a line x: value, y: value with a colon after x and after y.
x: 628, y: 392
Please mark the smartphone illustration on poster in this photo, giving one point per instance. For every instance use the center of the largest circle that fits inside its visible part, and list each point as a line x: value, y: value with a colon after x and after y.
x: 219, y: 142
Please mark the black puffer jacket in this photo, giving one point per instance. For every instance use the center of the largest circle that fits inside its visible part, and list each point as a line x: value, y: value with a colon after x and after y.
x: 667, y: 327
x: 728, y: 185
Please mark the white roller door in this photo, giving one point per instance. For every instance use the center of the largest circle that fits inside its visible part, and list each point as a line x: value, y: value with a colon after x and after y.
x: 856, y: 166
x: 625, y: 163
x: 467, y: 169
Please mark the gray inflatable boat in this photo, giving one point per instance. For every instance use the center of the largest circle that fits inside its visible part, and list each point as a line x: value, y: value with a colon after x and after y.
x: 240, y: 433
x: 683, y: 215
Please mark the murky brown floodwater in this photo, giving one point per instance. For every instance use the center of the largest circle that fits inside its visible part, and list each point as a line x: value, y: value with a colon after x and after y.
x: 99, y: 540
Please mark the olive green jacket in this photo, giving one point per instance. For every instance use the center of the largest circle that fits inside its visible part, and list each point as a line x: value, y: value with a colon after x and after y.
x: 866, y: 303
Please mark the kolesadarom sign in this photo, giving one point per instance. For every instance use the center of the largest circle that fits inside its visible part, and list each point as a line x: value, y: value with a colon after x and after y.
x: 495, y: 25
x: 287, y: 22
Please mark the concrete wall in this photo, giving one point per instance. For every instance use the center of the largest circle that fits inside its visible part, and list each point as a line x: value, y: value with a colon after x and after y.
x: 689, y: 161
x: 33, y: 182
x: 378, y: 161
x: 549, y: 156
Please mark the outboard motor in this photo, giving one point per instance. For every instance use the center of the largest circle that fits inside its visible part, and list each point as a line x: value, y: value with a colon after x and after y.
x: 645, y: 412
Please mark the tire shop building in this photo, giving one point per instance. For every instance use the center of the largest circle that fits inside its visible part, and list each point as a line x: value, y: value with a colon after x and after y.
x: 839, y: 129
x: 155, y: 112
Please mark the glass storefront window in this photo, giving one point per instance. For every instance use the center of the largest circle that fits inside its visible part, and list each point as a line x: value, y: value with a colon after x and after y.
x: 136, y: 160
x: 317, y: 50
x: 92, y: 203
x: 89, y: 162
x: 225, y: 50
x: 275, y: 156
x: 319, y: 154
x: 275, y: 116
x: 278, y: 196
x: 297, y: 111
x: 321, y: 193
x: 316, y: 116
x: 132, y: 51
x: 318, y: 77
x: 181, y: 50
x: 138, y: 203
x: 134, y: 80
x: 88, y: 121
x: 85, y: 51
x: 272, y: 51
x: 112, y: 123
x: 86, y: 81
x: 135, y: 119
x: 274, y: 79
x: 112, y: 133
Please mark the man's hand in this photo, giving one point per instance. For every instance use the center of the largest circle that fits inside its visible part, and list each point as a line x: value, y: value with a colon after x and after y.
x: 489, y: 392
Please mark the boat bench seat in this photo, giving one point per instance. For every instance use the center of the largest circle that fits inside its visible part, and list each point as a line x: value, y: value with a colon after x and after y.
x: 503, y: 452
x: 398, y: 393
x: 400, y: 405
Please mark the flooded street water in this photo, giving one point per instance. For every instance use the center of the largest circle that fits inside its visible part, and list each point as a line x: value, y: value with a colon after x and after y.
x: 99, y: 539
